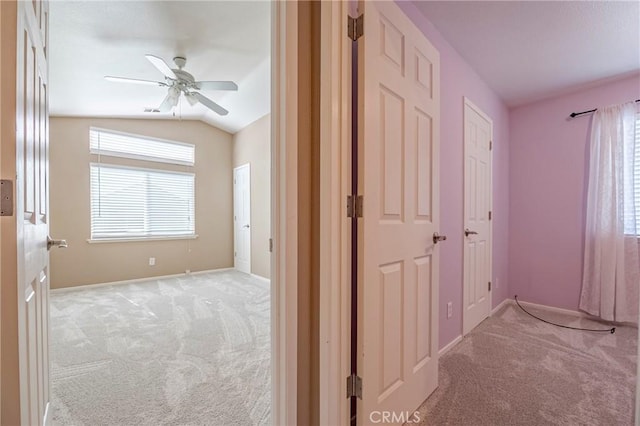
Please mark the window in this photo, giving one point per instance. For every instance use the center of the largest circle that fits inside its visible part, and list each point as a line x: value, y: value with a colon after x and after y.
x: 632, y: 195
x: 136, y: 202
x: 117, y: 144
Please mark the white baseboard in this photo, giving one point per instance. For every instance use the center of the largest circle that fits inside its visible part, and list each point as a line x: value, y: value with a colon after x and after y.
x: 206, y: 271
x: 500, y: 306
x: 134, y: 280
x: 553, y: 309
x: 449, y: 345
x: 578, y: 314
x: 261, y: 278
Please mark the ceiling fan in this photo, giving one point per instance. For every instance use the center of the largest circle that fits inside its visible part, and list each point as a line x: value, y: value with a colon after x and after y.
x: 180, y: 82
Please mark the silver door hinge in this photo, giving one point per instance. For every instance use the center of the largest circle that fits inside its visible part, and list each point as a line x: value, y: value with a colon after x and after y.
x: 489, y: 285
x: 354, y: 206
x: 490, y: 215
x: 354, y: 386
x: 270, y: 245
x: 490, y: 145
x: 356, y: 27
x: 6, y: 197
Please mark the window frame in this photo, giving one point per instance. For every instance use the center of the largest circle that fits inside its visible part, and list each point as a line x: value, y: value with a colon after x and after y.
x: 113, y: 164
x: 120, y: 154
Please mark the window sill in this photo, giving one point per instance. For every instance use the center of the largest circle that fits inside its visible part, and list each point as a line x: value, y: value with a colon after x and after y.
x: 141, y: 239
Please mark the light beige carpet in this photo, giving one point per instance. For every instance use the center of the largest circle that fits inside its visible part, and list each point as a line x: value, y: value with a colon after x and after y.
x: 193, y: 350
x: 515, y: 370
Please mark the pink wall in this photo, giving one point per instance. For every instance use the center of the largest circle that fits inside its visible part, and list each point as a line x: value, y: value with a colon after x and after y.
x: 457, y: 80
x: 548, y: 183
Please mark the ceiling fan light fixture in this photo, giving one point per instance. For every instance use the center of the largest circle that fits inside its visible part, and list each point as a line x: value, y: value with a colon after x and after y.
x: 191, y: 99
x: 174, y: 95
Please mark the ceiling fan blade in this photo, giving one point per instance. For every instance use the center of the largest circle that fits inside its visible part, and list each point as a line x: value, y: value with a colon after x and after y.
x: 133, y: 80
x: 210, y: 104
x: 216, y: 85
x: 162, y: 66
x: 166, y: 104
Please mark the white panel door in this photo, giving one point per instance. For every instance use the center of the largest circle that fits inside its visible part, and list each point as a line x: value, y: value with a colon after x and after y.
x: 32, y: 215
x: 398, y: 131
x: 242, y: 218
x: 477, y: 225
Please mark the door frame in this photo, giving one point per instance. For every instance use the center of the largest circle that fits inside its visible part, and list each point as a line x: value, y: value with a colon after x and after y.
x: 335, y: 185
x: 1, y: 226
x: 468, y: 103
x: 284, y: 44
x: 284, y: 212
x: 235, y: 223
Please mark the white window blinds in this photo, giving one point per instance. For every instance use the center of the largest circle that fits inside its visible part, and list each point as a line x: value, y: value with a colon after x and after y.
x: 117, y: 144
x: 131, y: 202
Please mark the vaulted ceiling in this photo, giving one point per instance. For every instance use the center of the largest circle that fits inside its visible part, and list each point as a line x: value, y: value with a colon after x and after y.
x: 221, y: 41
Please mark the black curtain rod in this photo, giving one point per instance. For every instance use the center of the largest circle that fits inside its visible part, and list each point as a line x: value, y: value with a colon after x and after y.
x: 575, y: 114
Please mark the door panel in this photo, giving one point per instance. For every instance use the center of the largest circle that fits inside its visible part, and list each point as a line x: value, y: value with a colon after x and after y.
x: 242, y: 217
x: 32, y: 189
x: 477, y: 204
x: 398, y: 131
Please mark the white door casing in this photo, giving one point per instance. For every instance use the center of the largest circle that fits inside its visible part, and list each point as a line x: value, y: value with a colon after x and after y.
x: 398, y: 134
x: 284, y: 210
x: 335, y: 184
x: 477, y: 224
x: 242, y: 218
x: 32, y: 210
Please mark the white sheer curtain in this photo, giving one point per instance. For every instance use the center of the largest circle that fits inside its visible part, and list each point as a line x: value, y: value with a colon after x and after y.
x: 611, y: 264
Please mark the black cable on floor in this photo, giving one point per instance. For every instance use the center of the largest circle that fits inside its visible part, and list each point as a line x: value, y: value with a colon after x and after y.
x: 608, y: 330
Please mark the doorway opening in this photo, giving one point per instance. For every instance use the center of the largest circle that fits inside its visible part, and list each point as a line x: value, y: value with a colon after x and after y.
x: 151, y: 318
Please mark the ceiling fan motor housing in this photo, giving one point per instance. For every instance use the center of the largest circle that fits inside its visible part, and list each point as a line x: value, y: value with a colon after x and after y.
x: 185, y: 80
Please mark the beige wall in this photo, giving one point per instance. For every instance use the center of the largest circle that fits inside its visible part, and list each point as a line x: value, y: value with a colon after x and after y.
x: 86, y: 263
x: 253, y: 145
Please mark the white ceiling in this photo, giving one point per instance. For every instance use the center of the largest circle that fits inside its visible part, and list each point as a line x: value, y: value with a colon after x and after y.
x: 524, y: 50
x: 221, y: 41
x: 528, y: 50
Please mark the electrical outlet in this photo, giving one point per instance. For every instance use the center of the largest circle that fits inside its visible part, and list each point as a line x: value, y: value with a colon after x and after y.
x: 152, y: 261
x: 449, y: 310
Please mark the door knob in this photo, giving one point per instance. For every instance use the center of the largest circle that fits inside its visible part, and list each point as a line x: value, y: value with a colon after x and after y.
x: 437, y: 237
x: 56, y: 243
x: 467, y: 232
x: 246, y: 226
